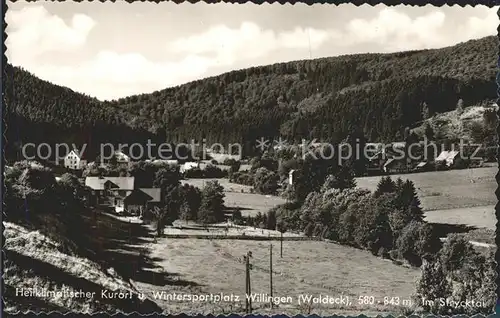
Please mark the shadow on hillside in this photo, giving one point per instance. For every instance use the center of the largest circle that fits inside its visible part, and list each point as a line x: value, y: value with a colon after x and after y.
x: 443, y: 229
x: 62, y: 278
x: 122, y: 246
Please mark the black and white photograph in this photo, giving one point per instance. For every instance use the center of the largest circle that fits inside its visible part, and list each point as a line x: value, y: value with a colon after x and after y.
x: 195, y: 158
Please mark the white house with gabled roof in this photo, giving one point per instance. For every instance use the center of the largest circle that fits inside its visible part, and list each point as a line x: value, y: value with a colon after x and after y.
x: 74, y: 161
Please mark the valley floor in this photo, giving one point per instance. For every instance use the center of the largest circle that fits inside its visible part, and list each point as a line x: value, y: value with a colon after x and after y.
x: 195, y: 267
x: 202, y: 266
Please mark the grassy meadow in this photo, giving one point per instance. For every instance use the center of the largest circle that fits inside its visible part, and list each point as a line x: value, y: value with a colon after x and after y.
x: 216, y: 266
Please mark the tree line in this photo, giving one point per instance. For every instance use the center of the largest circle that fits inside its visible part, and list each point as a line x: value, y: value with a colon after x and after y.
x: 322, y: 98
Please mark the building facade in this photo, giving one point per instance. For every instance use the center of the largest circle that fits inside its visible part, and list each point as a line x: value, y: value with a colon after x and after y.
x: 74, y: 161
x: 119, y: 195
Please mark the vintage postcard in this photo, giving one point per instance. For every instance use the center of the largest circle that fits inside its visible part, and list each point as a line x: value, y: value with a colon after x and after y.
x: 250, y: 159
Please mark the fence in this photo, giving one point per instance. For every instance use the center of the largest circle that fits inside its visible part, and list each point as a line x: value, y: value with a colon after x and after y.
x: 242, y: 237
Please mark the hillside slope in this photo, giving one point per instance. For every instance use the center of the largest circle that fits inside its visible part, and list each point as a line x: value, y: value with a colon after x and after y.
x: 321, y: 98
x: 54, y: 241
x: 34, y: 261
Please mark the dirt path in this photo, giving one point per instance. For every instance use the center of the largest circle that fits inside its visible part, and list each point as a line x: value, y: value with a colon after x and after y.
x: 478, y: 244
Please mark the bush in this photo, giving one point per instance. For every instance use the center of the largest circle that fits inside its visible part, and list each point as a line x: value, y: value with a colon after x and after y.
x: 455, y: 253
x: 394, y: 254
x: 440, y: 165
x: 417, y: 240
x: 244, y: 178
x: 433, y: 285
x: 318, y: 230
x: 461, y: 163
x: 210, y: 171
x: 459, y: 273
x: 212, y: 203
x: 308, y: 230
x: 383, y: 252
x: 265, y: 181
x: 234, y: 164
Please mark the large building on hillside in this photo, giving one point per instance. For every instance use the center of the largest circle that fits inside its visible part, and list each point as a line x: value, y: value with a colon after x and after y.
x: 119, y: 195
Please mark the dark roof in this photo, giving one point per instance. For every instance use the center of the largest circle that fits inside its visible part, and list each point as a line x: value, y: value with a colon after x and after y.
x: 393, y: 161
x: 80, y: 154
x: 154, y: 193
x: 121, y: 183
x: 138, y: 196
x: 422, y: 164
x: 109, y: 184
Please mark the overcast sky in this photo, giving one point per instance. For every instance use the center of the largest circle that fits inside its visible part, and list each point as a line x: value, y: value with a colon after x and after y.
x: 111, y: 50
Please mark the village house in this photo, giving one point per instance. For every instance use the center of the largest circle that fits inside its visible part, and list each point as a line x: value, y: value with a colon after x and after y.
x: 221, y: 157
x: 163, y: 162
x: 398, y: 144
x: 292, y: 176
x: 375, y: 163
x: 447, y: 157
x: 74, y: 161
x: 374, y: 148
x: 119, y: 158
x: 189, y: 166
x: 395, y: 165
x: 119, y: 195
x: 422, y: 166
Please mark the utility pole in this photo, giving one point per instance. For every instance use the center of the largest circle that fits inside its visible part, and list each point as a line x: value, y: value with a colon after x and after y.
x: 130, y: 230
x: 248, y: 287
x: 271, y: 271
x: 281, y: 245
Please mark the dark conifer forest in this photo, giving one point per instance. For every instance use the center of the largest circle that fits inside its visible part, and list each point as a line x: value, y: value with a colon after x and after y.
x: 324, y: 98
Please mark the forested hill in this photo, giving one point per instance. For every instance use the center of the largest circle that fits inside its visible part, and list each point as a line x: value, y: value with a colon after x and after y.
x: 321, y: 98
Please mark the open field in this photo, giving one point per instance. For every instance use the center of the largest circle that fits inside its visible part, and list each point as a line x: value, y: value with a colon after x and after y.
x: 453, y: 197
x: 228, y: 186
x: 216, y: 266
x: 478, y: 217
x: 249, y: 203
x: 439, y: 190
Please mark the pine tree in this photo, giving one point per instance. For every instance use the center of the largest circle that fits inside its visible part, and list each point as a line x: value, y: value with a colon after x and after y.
x: 385, y: 185
x: 425, y: 111
x: 399, y: 183
x: 185, y: 211
x: 408, y: 199
x: 271, y: 220
x: 460, y: 106
x: 343, y: 179
x: 428, y: 132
